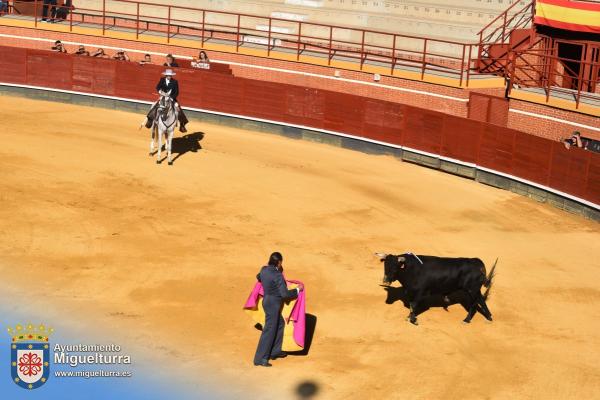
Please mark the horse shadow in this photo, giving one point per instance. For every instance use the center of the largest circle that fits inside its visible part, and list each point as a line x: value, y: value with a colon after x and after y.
x: 185, y: 144
x: 309, y: 334
x: 395, y: 294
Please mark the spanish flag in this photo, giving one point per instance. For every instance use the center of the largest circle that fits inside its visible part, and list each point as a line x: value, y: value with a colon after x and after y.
x: 580, y: 16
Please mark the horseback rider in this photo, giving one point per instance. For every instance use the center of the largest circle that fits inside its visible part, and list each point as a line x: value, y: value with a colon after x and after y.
x: 168, y: 84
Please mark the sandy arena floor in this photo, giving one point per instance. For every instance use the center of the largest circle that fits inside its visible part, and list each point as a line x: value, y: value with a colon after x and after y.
x: 163, y: 254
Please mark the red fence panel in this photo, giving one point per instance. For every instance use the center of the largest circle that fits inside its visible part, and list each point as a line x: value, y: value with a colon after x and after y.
x: 568, y: 169
x: 305, y: 106
x: 94, y: 75
x: 496, y: 148
x: 49, y: 69
x: 478, y: 107
x: 383, y: 121
x: 423, y: 129
x: 191, y: 87
x: 531, y: 159
x: 13, y: 64
x: 592, y: 188
x: 498, y: 111
x: 343, y: 113
x: 264, y: 99
x: 223, y: 93
x: 136, y: 81
x: 460, y: 138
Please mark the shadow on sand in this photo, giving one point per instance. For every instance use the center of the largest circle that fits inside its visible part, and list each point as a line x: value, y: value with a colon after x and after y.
x: 395, y: 294
x: 311, y: 326
x: 182, y: 145
x: 186, y: 143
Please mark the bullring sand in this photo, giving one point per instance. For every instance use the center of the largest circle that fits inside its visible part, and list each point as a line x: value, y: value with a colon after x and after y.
x: 158, y: 255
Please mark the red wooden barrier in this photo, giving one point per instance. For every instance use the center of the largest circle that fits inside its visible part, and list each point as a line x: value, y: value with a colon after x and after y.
x: 383, y: 121
x: 13, y: 63
x: 521, y: 155
x: 461, y: 138
x: 531, y: 158
x: 94, y: 75
x: 568, y: 169
x: 423, y: 129
x: 496, y: 148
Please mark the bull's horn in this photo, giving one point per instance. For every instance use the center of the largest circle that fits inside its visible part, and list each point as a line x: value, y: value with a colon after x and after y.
x: 381, y: 255
x: 401, y: 258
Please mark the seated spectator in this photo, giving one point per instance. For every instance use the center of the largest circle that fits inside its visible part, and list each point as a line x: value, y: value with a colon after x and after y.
x: 3, y: 7
x: 58, y: 47
x: 100, y: 54
x: 63, y: 11
x: 121, y: 56
x: 171, y: 62
x: 49, y: 4
x: 201, y: 62
x: 147, y: 60
x: 575, y: 141
x: 81, y: 51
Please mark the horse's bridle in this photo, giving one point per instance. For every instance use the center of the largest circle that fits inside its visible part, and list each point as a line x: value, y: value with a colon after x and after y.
x: 163, y: 109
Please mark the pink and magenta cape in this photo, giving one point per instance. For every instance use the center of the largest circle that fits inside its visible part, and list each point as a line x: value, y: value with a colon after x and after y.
x: 294, y: 314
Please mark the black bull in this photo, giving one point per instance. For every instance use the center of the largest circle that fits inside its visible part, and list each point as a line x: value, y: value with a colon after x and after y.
x: 425, y: 276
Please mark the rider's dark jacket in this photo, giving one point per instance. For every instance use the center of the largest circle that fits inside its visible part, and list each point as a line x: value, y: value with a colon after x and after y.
x: 173, y: 86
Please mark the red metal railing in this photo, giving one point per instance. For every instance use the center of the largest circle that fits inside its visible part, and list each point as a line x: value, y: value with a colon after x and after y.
x: 498, y: 32
x: 543, y: 68
x: 361, y: 46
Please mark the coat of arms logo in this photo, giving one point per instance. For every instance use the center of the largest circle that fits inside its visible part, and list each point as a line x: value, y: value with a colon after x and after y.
x: 30, y: 355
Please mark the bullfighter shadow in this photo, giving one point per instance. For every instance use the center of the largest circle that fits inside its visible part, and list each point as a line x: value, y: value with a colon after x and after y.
x: 395, y: 294
x: 309, y: 333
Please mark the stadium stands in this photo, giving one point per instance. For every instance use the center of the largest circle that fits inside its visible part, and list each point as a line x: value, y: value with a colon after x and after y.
x: 459, y: 20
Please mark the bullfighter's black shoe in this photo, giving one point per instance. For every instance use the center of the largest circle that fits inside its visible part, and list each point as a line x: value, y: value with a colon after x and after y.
x: 263, y: 364
x: 283, y: 354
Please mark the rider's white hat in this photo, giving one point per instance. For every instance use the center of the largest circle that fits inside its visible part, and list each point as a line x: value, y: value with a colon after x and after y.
x: 169, y: 72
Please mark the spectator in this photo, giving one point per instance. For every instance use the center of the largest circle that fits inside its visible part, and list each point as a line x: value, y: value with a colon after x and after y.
x: 58, y: 47
x: 575, y: 141
x: 147, y: 60
x: 100, y: 54
x: 81, y: 51
x: 63, y: 11
x: 202, y: 61
x: 52, y: 11
x: 121, y: 56
x: 171, y: 62
x: 3, y: 7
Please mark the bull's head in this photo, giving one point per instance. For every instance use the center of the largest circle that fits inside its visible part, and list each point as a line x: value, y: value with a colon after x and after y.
x: 392, y: 266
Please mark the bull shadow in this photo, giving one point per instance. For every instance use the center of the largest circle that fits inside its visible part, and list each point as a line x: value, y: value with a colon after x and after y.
x: 395, y: 294
x: 309, y: 333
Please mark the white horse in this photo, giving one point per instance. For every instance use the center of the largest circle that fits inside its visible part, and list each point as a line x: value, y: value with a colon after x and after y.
x: 164, y: 123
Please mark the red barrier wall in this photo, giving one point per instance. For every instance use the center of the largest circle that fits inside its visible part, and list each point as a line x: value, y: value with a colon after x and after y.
x: 536, y: 159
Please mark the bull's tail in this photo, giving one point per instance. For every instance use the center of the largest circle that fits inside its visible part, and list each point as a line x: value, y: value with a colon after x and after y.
x: 488, y: 281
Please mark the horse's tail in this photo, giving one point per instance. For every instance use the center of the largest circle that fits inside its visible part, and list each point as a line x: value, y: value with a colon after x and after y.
x: 489, y: 280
